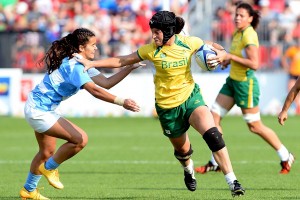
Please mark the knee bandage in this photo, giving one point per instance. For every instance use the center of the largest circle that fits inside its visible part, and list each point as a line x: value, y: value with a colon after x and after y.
x: 185, y: 156
x: 251, y: 117
x: 216, y: 108
x: 214, y: 139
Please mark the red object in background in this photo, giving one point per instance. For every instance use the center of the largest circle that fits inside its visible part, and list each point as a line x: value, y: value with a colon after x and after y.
x: 26, y: 87
x: 277, y: 5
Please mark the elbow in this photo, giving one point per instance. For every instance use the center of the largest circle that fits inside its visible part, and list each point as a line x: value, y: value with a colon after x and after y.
x: 104, y: 84
x: 255, y: 67
x: 107, y: 86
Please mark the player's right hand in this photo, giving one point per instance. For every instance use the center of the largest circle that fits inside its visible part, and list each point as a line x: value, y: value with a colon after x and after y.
x: 87, y: 63
x: 282, y: 117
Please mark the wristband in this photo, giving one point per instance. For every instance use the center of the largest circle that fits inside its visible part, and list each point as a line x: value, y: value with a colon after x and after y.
x: 119, y: 101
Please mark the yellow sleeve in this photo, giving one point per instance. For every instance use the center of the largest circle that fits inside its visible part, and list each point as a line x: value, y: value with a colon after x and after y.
x: 196, y: 43
x: 144, y: 52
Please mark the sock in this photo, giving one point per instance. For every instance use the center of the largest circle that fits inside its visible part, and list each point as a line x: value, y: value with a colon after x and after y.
x: 32, y: 181
x: 230, y: 177
x: 213, y: 161
x: 51, y: 164
x: 283, y: 153
x: 190, y: 168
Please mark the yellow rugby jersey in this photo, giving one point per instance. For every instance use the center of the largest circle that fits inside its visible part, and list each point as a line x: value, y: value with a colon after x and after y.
x: 241, y: 39
x: 172, y: 69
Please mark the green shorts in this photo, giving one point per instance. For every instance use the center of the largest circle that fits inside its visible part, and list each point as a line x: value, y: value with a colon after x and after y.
x: 245, y: 93
x: 175, y: 121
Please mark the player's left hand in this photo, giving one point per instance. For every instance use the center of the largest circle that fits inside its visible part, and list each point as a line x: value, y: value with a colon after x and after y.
x: 131, y: 105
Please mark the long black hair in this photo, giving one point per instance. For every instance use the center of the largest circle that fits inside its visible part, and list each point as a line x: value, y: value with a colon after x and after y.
x: 253, y: 13
x: 65, y: 47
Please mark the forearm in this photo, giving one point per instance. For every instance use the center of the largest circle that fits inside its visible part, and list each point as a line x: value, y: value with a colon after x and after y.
x: 116, y: 78
x: 244, y: 61
x: 289, y: 99
x: 218, y: 46
x: 103, y: 95
x: 113, y: 62
x: 99, y: 92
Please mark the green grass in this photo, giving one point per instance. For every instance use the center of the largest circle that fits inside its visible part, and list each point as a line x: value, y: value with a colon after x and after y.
x: 129, y: 158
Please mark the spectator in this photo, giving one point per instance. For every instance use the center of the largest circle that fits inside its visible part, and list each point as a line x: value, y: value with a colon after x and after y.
x: 291, y: 64
x: 267, y: 28
x: 286, y: 19
x: 222, y: 26
x: 296, y: 30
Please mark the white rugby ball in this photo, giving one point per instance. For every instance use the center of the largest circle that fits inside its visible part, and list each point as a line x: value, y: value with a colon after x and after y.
x: 201, y: 56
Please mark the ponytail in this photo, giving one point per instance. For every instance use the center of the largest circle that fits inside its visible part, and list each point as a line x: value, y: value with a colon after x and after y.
x: 179, y: 24
x: 65, y: 47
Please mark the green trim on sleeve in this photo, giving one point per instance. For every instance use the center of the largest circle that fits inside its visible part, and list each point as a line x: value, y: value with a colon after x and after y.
x: 139, y: 55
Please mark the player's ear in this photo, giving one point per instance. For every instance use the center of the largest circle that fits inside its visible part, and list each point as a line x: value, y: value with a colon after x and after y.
x: 81, y: 48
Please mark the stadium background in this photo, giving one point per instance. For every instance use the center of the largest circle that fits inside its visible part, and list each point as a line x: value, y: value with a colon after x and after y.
x: 27, y: 28
x: 128, y: 158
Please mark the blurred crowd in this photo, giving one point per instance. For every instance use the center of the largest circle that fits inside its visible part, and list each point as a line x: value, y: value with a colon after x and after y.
x: 121, y: 26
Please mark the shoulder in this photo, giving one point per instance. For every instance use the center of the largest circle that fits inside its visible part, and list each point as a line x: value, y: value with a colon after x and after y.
x: 146, y: 50
x: 149, y: 47
x: 191, y: 42
x: 70, y: 66
x: 250, y: 36
x: 188, y: 39
x: 250, y: 32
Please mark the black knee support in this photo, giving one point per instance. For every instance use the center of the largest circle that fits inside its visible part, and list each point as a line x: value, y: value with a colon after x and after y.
x: 214, y: 139
x: 184, y: 157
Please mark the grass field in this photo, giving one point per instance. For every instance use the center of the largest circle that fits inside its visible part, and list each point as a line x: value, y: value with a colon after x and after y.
x: 129, y: 158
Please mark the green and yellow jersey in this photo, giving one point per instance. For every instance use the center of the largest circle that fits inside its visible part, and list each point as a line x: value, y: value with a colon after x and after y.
x: 172, y: 74
x: 241, y: 40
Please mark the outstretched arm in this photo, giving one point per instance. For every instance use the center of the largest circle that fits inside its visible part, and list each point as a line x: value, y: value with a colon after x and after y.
x: 283, y: 115
x: 113, y: 62
x: 111, y: 81
x: 102, y: 94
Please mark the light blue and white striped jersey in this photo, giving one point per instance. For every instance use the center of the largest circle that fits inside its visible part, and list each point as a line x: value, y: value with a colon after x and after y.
x: 61, y: 84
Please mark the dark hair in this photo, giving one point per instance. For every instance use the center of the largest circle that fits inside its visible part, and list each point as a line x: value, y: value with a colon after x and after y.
x: 65, y: 47
x: 168, y: 23
x: 179, y: 24
x: 253, y: 13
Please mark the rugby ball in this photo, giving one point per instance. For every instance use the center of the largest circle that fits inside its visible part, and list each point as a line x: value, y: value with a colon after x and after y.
x: 201, y: 56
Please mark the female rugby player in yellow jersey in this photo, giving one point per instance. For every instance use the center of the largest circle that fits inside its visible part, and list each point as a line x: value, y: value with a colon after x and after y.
x: 178, y: 98
x: 242, y: 88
